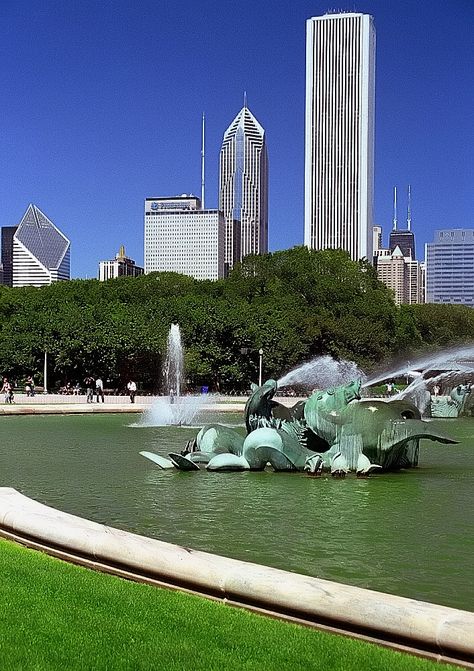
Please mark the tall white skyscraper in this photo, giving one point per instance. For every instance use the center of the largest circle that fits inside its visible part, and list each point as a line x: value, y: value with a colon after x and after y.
x: 243, y: 187
x: 339, y: 135
x: 41, y: 253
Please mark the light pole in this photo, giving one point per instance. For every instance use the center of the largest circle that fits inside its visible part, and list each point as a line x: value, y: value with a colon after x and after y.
x: 45, y: 373
x: 260, y: 366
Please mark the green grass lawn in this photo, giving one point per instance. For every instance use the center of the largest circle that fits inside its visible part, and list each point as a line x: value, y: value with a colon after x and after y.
x: 54, y: 615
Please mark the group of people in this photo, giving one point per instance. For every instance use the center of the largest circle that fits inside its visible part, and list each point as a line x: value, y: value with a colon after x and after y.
x: 8, y: 388
x: 96, y: 386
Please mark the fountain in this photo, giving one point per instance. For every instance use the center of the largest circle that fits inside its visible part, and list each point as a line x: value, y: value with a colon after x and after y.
x: 173, y: 371
x: 174, y: 409
x: 449, y: 370
x: 460, y: 359
x: 334, y: 429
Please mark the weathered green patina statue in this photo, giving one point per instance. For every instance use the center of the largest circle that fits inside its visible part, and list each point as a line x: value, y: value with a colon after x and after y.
x: 452, y: 405
x: 332, y: 430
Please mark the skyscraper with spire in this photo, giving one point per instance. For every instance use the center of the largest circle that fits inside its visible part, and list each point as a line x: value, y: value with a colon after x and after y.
x: 339, y: 133
x: 397, y: 266
x: 243, y: 187
x: 403, y: 238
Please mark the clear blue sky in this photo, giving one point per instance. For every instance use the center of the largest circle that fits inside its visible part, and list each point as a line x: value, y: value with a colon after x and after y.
x: 102, y: 102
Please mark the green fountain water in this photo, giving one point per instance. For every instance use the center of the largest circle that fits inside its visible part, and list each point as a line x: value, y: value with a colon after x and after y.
x: 409, y: 533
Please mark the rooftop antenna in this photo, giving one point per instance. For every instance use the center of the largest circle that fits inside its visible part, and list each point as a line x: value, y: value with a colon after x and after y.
x: 409, y: 208
x: 202, y: 162
x: 245, y: 98
x: 394, y: 208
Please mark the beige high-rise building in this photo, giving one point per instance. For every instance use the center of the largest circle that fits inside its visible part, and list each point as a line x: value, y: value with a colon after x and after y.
x: 401, y: 274
x: 339, y: 133
x: 121, y: 266
x: 391, y: 271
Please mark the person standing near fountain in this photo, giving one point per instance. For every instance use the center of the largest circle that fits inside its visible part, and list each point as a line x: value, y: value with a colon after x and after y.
x: 132, y: 390
x: 390, y: 387
x: 90, y: 384
x: 99, y: 389
x: 7, y: 389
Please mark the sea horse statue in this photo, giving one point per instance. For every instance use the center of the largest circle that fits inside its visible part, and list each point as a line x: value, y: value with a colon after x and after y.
x: 333, y: 430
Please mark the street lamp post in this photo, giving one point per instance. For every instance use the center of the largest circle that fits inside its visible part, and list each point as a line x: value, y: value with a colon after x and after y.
x: 260, y: 366
x: 45, y: 373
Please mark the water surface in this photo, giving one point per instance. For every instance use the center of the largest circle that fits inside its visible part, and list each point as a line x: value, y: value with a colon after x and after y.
x: 409, y: 533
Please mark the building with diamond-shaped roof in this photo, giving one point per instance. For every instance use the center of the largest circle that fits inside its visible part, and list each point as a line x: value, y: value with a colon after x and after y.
x: 243, y: 187
x: 41, y: 253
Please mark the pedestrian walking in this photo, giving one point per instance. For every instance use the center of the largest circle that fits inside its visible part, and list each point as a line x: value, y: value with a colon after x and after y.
x: 99, y: 389
x: 132, y: 390
x: 7, y: 389
x: 30, y: 386
x: 89, y: 383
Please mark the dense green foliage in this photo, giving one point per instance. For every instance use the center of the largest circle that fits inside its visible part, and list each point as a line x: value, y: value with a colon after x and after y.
x: 295, y: 304
x: 58, y: 616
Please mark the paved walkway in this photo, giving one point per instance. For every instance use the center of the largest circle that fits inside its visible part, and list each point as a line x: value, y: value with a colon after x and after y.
x: 58, y: 404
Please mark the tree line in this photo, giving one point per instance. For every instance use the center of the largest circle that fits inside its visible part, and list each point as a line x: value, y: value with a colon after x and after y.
x: 294, y: 304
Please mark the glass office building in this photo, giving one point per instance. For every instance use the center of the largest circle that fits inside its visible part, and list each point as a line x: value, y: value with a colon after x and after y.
x: 7, y: 254
x: 450, y: 267
x: 41, y: 253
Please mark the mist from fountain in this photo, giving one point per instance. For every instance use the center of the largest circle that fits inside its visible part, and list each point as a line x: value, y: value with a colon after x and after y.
x: 174, y: 409
x: 437, y: 361
x: 322, y: 372
x: 420, y: 389
x: 416, y: 392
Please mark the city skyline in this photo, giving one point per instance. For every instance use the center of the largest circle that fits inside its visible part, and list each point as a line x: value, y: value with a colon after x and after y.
x: 106, y: 109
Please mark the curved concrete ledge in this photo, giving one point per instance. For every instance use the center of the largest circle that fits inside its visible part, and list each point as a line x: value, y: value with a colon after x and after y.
x: 90, y: 408
x: 428, y: 628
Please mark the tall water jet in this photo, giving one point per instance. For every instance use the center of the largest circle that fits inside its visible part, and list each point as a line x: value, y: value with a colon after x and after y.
x: 174, y: 409
x: 173, y: 370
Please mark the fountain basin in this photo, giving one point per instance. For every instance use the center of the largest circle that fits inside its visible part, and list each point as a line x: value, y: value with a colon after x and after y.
x: 426, y: 627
